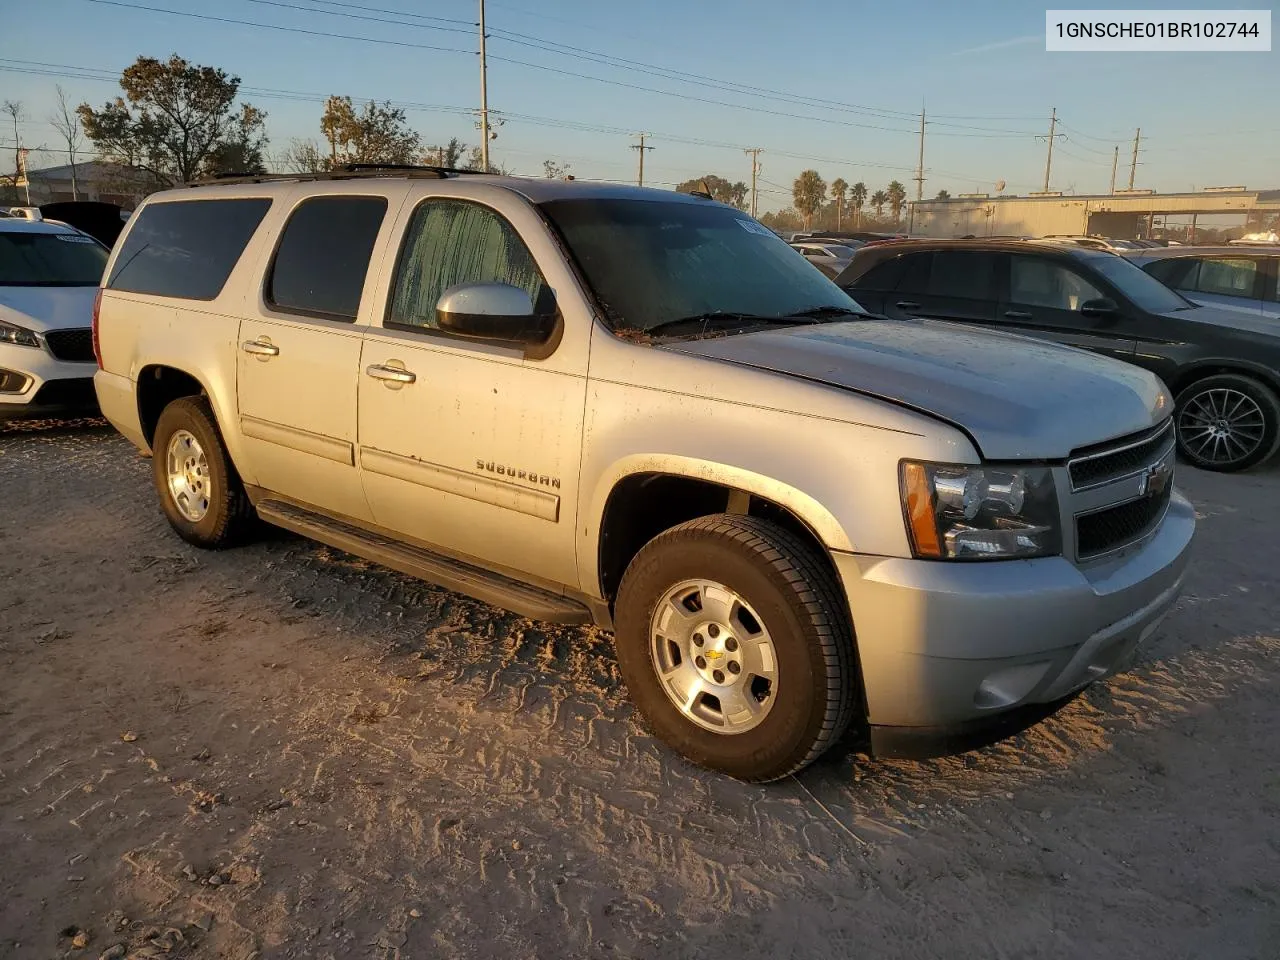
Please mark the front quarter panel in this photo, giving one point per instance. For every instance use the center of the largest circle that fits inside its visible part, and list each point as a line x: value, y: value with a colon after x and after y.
x: 828, y: 455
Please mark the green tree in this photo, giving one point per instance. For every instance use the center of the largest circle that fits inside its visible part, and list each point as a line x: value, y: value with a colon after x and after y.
x: 446, y: 154
x: 897, y: 195
x: 178, y: 120
x: 943, y: 195
x: 838, y: 190
x: 734, y: 194
x: 857, y: 200
x: 807, y: 193
x: 374, y: 134
x: 782, y: 221
x: 877, y: 201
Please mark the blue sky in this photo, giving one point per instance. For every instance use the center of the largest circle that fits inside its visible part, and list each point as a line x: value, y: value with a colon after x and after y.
x: 979, y: 67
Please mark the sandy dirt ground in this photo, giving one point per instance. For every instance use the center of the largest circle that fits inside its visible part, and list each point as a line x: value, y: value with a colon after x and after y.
x: 282, y: 751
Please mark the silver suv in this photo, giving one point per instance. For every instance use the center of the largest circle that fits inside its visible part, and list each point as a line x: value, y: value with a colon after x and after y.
x: 643, y: 410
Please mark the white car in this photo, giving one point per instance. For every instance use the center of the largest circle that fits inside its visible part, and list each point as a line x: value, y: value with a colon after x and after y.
x: 49, y: 275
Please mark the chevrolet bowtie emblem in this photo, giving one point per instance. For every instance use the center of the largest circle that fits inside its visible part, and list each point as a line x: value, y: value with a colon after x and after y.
x: 714, y: 654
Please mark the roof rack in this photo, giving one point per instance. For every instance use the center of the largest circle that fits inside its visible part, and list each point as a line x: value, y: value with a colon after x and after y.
x: 348, y: 171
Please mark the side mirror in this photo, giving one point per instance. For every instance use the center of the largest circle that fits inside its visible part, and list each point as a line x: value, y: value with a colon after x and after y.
x: 493, y: 312
x: 1101, y: 307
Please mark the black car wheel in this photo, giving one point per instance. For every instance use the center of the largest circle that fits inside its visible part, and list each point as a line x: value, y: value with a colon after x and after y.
x: 1227, y: 422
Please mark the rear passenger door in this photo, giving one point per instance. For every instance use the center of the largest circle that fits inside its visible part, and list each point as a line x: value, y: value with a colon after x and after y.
x: 1043, y: 298
x: 956, y: 285
x: 299, y: 346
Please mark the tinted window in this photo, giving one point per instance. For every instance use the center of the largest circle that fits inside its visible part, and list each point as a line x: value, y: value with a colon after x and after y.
x: 450, y: 242
x: 915, y: 273
x: 323, y: 256
x: 1228, y: 278
x: 186, y: 248
x: 882, y: 276
x: 1180, y: 273
x: 50, y: 260
x: 651, y: 262
x: 1036, y: 282
x: 1144, y: 290
x: 965, y: 274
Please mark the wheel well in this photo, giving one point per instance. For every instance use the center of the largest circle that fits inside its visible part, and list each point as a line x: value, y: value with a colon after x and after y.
x: 1185, y: 379
x: 644, y: 505
x: 159, y: 386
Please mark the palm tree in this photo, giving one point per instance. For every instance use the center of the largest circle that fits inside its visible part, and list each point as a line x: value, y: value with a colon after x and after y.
x: 838, y: 189
x: 857, y: 197
x: 897, y: 197
x: 807, y: 193
x: 878, y: 200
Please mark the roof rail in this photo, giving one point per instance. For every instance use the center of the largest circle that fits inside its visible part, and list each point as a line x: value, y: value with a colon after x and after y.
x: 348, y: 171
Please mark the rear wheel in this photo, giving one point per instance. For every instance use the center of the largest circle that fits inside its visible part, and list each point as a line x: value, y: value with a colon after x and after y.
x: 200, y: 492
x: 1227, y: 422
x: 734, y: 644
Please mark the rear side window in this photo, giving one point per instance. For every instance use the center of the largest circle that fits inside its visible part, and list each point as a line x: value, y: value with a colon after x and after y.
x: 323, y: 257
x: 186, y: 248
x: 964, y: 274
x: 1180, y: 273
x: 1228, y: 278
x: 882, y: 276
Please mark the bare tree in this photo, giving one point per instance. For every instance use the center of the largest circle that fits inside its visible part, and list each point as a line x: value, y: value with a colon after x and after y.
x: 304, y: 156
x: 67, y: 123
x: 14, y: 109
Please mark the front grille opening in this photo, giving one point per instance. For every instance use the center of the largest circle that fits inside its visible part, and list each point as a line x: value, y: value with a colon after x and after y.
x: 1094, y: 469
x: 73, y: 346
x: 77, y: 392
x: 1116, y: 527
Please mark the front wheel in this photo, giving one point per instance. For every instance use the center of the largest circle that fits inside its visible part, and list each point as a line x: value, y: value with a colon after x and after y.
x: 734, y: 643
x: 1227, y: 422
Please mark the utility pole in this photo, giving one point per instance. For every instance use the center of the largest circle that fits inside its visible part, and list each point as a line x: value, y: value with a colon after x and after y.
x: 484, y: 98
x: 754, y: 154
x: 1133, y: 164
x: 642, y: 148
x: 1048, y: 163
x: 1115, y: 163
x: 920, y: 166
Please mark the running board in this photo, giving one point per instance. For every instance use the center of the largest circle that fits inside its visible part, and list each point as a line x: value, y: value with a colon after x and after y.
x: 494, y: 588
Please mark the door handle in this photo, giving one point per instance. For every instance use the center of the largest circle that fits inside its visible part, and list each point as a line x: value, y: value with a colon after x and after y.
x: 390, y: 374
x: 906, y: 304
x: 260, y: 348
x: 1017, y: 315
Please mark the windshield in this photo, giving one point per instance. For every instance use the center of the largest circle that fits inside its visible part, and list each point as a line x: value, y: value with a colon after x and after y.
x: 650, y: 263
x: 50, y: 260
x: 1143, y: 289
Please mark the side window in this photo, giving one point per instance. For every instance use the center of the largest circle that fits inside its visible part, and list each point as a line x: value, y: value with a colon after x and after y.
x: 1036, y: 282
x: 323, y: 256
x: 1228, y: 278
x: 186, y: 248
x: 915, y: 273
x: 1181, y: 273
x: 882, y: 276
x: 450, y: 242
x: 966, y: 274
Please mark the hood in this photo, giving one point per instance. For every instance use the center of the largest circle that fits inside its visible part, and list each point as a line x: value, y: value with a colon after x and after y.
x: 47, y: 308
x: 1017, y: 398
x: 1247, y: 320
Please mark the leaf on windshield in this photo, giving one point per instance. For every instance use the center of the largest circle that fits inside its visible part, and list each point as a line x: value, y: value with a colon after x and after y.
x: 634, y: 335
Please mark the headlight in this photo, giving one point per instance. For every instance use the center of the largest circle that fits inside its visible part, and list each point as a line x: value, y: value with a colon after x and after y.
x: 11, y: 333
x: 957, y: 512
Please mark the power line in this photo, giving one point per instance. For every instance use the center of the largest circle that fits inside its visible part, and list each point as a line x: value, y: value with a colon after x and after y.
x: 470, y: 27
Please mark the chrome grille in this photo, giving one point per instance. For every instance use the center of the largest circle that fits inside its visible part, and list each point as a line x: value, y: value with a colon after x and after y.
x: 1119, y: 458
x: 1121, y: 490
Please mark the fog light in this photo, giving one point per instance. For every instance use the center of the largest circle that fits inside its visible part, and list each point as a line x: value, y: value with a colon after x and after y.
x: 13, y: 382
x: 1006, y: 687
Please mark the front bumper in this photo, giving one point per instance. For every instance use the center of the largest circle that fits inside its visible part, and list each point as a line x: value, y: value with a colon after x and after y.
x: 947, y: 645
x: 46, y: 387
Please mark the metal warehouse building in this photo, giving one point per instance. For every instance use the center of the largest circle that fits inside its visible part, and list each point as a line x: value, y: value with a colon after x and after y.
x: 1128, y: 213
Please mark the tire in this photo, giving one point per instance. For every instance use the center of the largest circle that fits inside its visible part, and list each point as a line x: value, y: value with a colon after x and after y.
x: 786, y: 595
x: 1227, y: 422
x: 188, y: 431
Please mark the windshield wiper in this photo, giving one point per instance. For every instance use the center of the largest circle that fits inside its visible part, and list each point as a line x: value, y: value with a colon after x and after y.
x: 828, y: 311
x: 717, y: 320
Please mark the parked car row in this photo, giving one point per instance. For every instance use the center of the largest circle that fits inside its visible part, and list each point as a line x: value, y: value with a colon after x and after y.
x: 1222, y: 364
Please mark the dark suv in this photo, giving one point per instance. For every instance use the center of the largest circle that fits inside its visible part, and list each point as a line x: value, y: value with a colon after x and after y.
x: 1223, y: 367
